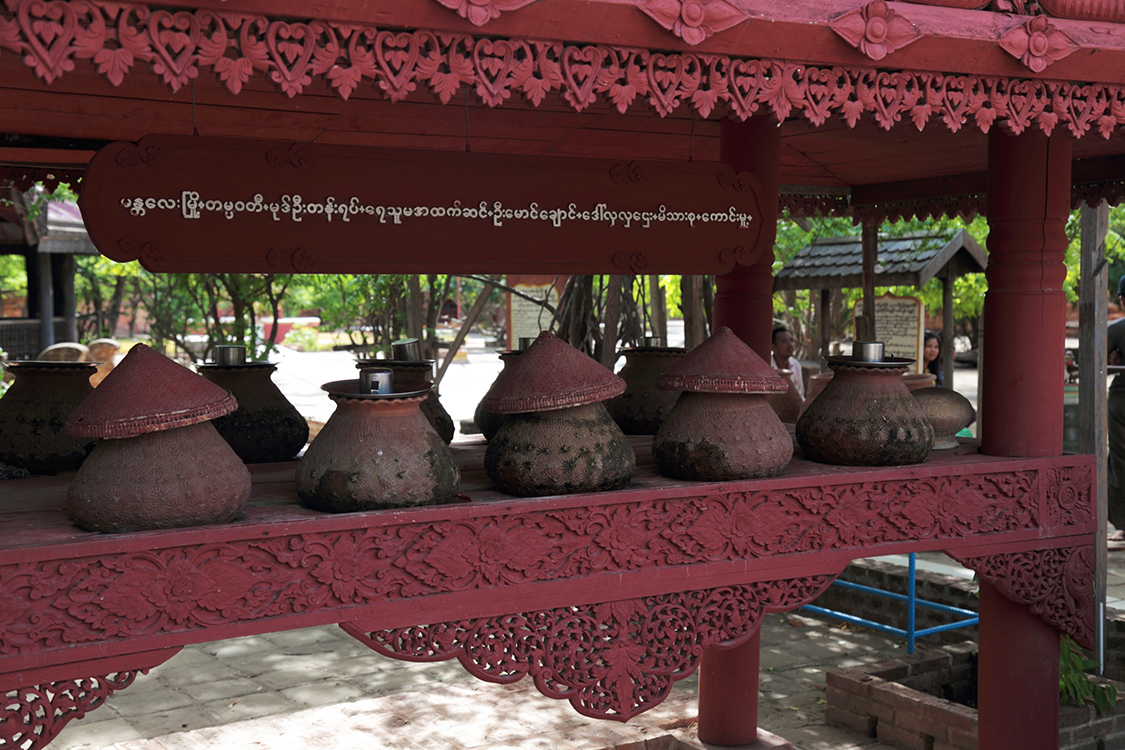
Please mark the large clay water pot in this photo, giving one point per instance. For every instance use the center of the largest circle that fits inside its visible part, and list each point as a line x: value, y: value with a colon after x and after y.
x: 488, y: 422
x: 786, y: 405
x: 722, y: 427
x: 556, y: 437
x: 912, y: 380
x: 33, y: 414
x: 376, y: 451
x: 865, y: 416
x: 160, y: 464
x: 948, y: 411
x: 266, y: 427
x: 643, y: 406
x: 418, y: 376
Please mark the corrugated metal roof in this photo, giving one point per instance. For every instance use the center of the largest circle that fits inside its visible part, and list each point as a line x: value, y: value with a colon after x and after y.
x: 837, y: 262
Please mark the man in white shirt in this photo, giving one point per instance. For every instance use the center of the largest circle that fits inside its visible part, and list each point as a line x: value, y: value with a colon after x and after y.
x: 784, y: 345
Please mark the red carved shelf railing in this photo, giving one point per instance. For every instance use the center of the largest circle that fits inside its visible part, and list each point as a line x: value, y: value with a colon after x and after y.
x: 514, y: 587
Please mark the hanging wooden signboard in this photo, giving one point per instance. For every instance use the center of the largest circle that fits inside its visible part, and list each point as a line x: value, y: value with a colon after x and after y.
x: 188, y: 203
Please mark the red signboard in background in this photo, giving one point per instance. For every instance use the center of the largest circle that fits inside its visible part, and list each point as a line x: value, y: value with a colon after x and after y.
x: 189, y: 204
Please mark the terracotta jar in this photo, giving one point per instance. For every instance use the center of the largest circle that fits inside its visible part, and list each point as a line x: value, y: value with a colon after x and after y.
x: 418, y: 376
x: 489, y: 421
x: 33, y: 413
x: 642, y: 407
x: 265, y: 427
x: 912, y: 380
x: 865, y: 416
x: 376, y: 451
x: 786, y: 405
x: 161, y: 464
x: 948, y: 411
x: 722, y: 427
x: 557, y: 437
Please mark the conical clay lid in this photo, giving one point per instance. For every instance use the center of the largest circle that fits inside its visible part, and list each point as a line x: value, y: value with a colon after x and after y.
x: 551, y: 374
x: 148, y: 392
x: 723, y: 364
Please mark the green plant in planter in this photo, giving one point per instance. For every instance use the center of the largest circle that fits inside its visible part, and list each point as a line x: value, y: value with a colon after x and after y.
x: 1075, y: 686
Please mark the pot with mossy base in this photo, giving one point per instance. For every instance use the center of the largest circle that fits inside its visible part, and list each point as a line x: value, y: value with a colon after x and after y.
x: 557, y: 437
x: 33, y: 413
x: 643, y: 405
x: 376, y: 451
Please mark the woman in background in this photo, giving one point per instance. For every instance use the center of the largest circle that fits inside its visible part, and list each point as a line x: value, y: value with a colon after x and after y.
x: 931, y: 357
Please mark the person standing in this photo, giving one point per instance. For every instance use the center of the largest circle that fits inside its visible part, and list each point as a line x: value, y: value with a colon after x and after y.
x: 931, y: 357
x: 1115, y: 343
x: 784, y: 346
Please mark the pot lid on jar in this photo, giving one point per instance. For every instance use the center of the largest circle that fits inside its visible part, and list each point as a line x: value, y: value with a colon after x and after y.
x: 148, y: 392
x: 551, y: 374
x: 723, y: 364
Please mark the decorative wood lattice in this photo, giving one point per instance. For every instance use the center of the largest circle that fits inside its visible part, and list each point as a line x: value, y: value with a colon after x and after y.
x: 612, y: 660
x: 33, y: 716
x: 122, y: 40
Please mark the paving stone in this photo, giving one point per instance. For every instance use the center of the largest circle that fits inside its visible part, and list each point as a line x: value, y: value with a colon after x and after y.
x: 142, y: 698
x: 178, y: 720
x: 261, y: 704
x: 91, y: 732
x: 824, y: 737
x: 174, y: 674
x: 235, y: 648
x: 219, y: 689
x: 322, y: 694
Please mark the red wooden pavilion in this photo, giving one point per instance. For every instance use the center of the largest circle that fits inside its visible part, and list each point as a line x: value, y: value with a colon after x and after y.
x: 879, y: 109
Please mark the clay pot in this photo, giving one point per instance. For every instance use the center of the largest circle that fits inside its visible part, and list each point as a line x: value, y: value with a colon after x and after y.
x: 418, y: 376
x: 488, y: 422
x: 265, y: 427
x: 102, y: 351
x: 786, y: 405
x: 722, y: 427
x: 187, y: 476
x: 556, y: 436
x: 948, y: 411
x: 912, y: 380
x: 865, y: 416
x: 33, y: 413
x: 576, y: 449
x: 376, y: 451
x: 716, y: 437
x: 160, y: 464
x: 1111, y: 11
x: 642, y: 407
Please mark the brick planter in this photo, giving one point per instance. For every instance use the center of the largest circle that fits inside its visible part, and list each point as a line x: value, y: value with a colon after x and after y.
x: 897, y: 702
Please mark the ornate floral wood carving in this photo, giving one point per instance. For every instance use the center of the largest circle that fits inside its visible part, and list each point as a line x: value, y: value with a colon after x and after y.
x: 1037, y: 43
x: 120, y: 40
x: 966, y: 206
x: 875, y: 30
x: 24, y: 178
x: 33, y: 716
x: 193, y: 587
x: 480, y: 12
x: 642, y: 645
x: 1054, y: 583
x: 693, y: 20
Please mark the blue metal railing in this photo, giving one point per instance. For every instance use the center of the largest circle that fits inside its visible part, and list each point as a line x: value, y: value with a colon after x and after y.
x: 911, y: 633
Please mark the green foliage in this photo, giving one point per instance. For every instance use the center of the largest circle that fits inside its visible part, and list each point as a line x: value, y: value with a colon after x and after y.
x: 1075, y: 686
x: 302, y: 338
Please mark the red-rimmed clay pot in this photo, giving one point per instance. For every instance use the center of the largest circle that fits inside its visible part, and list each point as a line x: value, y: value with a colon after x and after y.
x: 266, y: 427
x: 33, y: 413
x: 376, y: 451
x: 418, y: 376
x: 865, y: 416
x: 488, y: 422
x: 557, y: 437
x: 161, y: 464
x: 722, y: 427
x: 643, y: 406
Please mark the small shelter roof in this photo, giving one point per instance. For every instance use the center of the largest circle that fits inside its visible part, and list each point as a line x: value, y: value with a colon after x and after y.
x: 910, y: 260
x: 58, y: 229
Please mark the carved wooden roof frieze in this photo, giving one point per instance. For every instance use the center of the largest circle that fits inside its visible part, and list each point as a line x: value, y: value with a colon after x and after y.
x: 480, y: 12
x: 875, y: 29
x: 693, y: 20
x: 1037, y: 43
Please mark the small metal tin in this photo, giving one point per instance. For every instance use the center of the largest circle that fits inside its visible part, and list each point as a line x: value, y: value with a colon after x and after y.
x: 652, y: 341
x: 407, y: 350
x: 376, y: 380
x: 230, y: 354
x: 525, y: 341
x: 867, y: 351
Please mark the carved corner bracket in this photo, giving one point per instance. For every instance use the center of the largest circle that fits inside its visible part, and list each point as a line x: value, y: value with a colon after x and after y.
x: 642, y: 646
x: 33, y: 716
x: 1054, y: 583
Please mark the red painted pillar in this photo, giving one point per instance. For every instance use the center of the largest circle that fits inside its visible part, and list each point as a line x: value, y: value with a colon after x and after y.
x: 744, y: 297
x: 728, y: 679
x: 728, y: 694
x: 1021, y: 404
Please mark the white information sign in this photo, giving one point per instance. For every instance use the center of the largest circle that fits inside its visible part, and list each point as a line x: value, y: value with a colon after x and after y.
x: 529, y: 319
x: 900, y: 325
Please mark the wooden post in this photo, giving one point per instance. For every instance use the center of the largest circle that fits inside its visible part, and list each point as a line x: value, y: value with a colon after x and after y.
x: 947, y: 350
x: 691, y: 302
x: 865, y: 324
x: 728, y: 680
x: 1025, y: 316
x: 69, y: 298
x: 46, y: 301
x: 659, y: 320
x: 1093, y: 427
x: 824, y: 325
x: 611, y: 322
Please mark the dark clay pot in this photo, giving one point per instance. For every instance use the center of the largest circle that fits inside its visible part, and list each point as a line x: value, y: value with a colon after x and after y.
x: 34, y: 411
x: 488, y: 422
x: 265, y: 427
x: 865, y: 416
x: 563, y: 451
x: 187, y: 476
x: 948, y: 411
x: 787, y: 405
x: 717, y: 437
x: 418, y: 376
x: 376, y: 453
x: 642, y: 407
